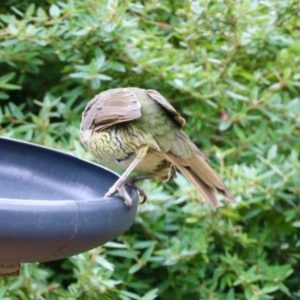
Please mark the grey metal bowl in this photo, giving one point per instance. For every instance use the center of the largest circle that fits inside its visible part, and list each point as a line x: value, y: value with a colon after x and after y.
x: 52, y: 204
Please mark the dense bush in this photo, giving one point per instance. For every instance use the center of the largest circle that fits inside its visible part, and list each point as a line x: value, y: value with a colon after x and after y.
x: 232, y: 69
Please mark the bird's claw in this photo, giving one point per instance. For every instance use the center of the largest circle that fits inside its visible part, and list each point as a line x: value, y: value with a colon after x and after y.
x: 120, y: 188
x: 123, y: 193
x: 131, y: 182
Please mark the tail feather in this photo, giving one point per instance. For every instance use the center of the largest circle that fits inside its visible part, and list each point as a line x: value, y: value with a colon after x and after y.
x: 205, y: 190
x: 204, y: 171
x: 202, y: 176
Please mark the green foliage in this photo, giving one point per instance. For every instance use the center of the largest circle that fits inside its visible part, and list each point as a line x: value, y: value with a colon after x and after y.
x: 232, y: 69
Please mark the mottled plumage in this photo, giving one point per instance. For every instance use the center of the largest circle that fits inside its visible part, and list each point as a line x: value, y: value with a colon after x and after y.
x: 132, y: 128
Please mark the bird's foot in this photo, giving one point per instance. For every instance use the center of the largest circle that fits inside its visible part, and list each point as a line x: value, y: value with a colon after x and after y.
x: 119, y: 187
x: 132, y: 182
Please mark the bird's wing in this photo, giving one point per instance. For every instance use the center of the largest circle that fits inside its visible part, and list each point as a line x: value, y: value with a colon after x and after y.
x: 166, y: 105
x: 109, y: 108
x: 183, y: 153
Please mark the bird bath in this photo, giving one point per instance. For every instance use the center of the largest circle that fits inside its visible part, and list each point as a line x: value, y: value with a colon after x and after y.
x: 52, y: 205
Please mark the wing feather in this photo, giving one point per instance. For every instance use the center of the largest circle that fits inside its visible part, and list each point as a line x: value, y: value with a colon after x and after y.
x: 166, y: 105
x: 109, y: 108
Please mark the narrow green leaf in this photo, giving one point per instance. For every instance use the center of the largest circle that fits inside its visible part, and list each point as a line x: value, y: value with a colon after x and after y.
x: 54, y: 11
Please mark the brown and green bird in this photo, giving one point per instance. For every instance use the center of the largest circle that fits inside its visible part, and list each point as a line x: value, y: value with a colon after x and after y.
x: 138, y: 129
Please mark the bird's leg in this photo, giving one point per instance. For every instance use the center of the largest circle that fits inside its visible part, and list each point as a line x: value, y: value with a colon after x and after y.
x: 119, y: 186
x: 173, y: 171
x: 133, y: 179
x: 132, y: 182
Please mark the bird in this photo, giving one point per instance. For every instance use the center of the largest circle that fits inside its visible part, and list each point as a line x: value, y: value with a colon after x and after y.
x: 133, y: 128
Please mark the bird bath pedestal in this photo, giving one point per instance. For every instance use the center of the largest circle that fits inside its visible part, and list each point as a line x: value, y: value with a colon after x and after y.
x: 52, y: 205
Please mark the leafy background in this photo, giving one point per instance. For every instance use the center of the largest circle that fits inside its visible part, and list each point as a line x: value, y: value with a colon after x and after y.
x: 232, y: 69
